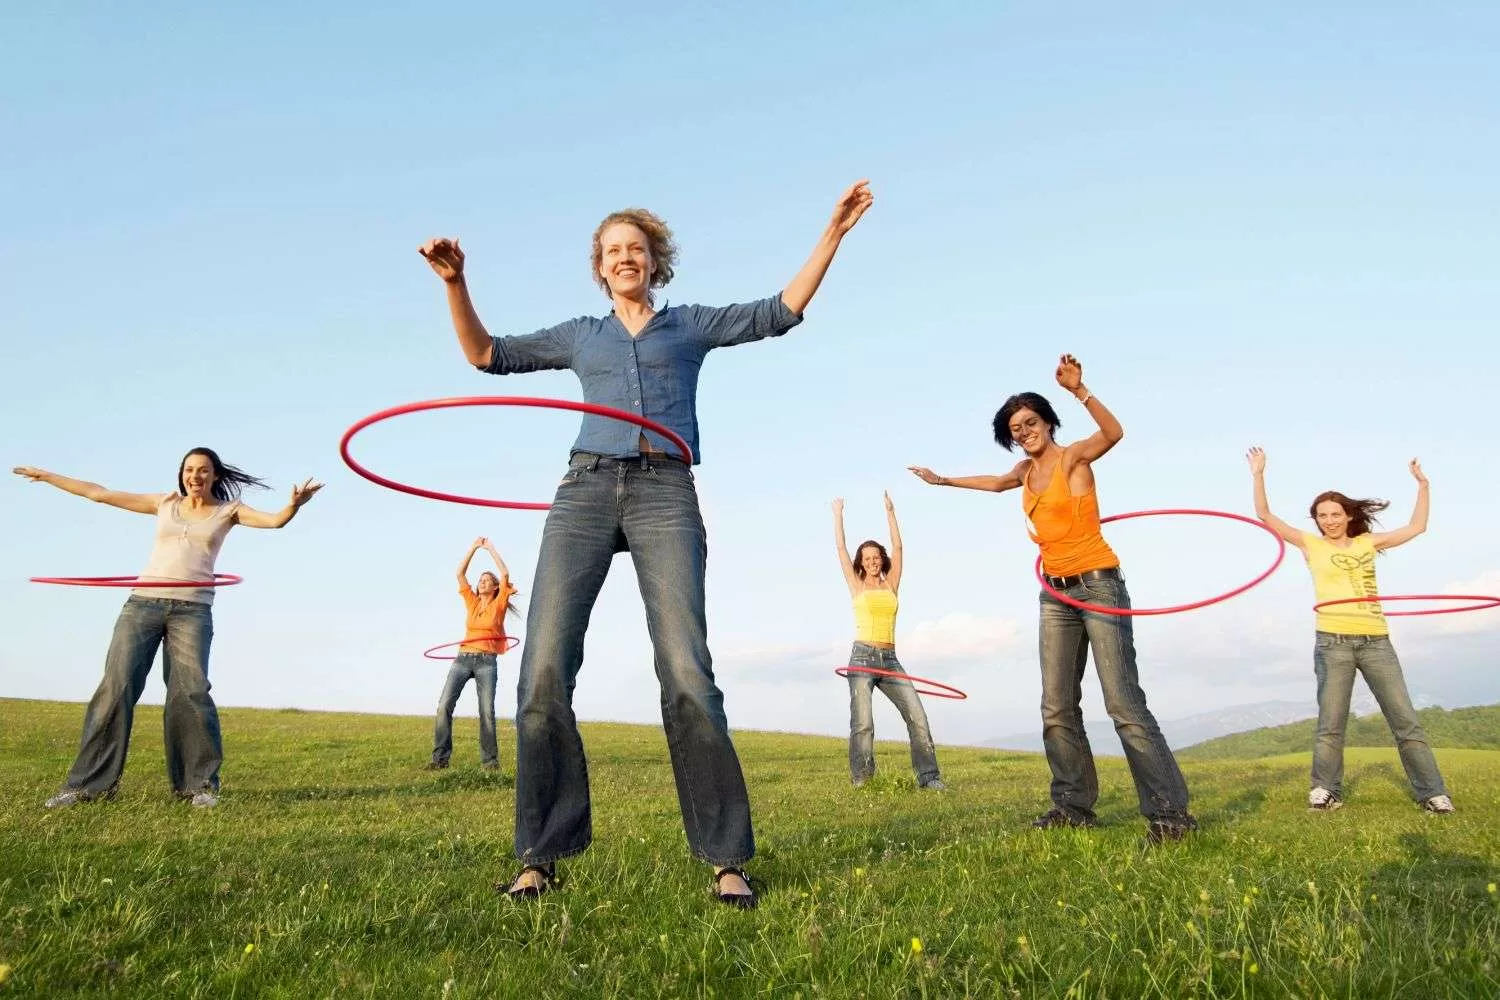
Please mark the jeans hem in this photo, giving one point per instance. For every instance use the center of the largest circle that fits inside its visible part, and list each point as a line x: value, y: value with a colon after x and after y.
x: 734, y: 863
x: 526, y: 858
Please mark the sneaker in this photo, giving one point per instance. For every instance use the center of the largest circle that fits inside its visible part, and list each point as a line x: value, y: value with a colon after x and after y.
x: 934, y: 785
x: 72, y: 796
x: 205, y: 799
x: 1438, y: 804
x: 1056, y: 817
x: 1159, y: 831
x: 1322, y: 800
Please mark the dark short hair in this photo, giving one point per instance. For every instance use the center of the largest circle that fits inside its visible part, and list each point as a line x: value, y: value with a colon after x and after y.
x: 1033, y: 401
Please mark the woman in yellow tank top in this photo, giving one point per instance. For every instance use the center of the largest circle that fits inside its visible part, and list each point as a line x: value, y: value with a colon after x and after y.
x: 874, y: 579
x: 1354, y: 638
x: 1062, y: 513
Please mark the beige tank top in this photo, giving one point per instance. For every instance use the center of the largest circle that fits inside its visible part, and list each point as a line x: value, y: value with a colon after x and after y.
x: 186, y: 550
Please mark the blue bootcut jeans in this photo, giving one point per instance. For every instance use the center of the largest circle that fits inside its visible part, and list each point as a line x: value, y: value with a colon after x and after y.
x: 190, y: 722
x: 1066, y: 635
x: 862, y: 718
x: 1335, y: 660
x: 650, y: 509
x: 482, y: 668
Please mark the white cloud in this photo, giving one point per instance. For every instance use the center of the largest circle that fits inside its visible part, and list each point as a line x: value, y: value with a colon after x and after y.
x: 960, y: 637
x: 1485, y: 584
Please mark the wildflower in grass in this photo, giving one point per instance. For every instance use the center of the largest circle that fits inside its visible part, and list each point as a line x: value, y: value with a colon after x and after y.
x: 249, y: 948
x: 4, y: 973
x: 916, y: 946
x: 1246, y: 901
x: 1255, y: 890
x: 1490, y: 888
x: 1374, y: 897
x: 859, y: 873
x: 1254, y: 969
x: 106, y: 881
x: 1312, y: 887
x: 1203, y: 895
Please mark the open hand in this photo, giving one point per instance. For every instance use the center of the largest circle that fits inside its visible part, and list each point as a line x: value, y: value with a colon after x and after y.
x: 926, y: 475
x: 31, y: 473
x: 445, y: 257
x: 888, y: 505
x: 302, y: 494
x: 852, y: 204
x: 1257, y: 459
x: 1416, y: 471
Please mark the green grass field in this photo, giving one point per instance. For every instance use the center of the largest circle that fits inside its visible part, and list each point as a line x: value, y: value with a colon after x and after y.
x: 335, y: 867
x: 1477, y: 728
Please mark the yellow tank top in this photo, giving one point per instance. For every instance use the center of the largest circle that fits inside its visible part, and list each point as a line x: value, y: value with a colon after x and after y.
x: 1346, y: 572
x: 875, y: 616
x: 1066, y: 527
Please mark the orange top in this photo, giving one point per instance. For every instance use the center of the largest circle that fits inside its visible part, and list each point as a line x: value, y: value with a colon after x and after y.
x: 1065, y: 526
x: 483, y: 624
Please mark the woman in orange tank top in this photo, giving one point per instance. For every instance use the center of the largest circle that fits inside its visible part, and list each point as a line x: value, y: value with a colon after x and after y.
x: 1062, y: 512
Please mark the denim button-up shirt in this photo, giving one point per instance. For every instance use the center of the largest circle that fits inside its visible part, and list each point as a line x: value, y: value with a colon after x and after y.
x: 653, y: 374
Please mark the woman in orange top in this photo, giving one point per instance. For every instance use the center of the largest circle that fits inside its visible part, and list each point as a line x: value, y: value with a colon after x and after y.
x: 484, y: 640
x: 1062, y: 513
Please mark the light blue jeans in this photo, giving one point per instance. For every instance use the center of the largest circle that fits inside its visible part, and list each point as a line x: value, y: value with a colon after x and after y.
x: 650, y: 509
x: 862, y: 717
x: 1335, y: 659
x: 190, y: 722
x: 482, y: 668
x: 1067, y: 634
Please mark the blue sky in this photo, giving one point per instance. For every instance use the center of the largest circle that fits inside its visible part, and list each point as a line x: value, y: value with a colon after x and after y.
x: 1270, y: 226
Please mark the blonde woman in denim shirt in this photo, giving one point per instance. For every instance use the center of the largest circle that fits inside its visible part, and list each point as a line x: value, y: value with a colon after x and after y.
x: 625, y: 490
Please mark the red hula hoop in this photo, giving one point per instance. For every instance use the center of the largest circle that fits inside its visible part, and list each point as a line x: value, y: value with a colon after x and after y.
x: 219, y: 580
x: 1129, y: 612
x: 937, y: 689
x: 443, y: 404
x: 1489, y: 602
x: 512, y: 640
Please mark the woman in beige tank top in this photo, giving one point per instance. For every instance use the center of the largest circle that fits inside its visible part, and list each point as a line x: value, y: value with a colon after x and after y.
x: 191, y: 524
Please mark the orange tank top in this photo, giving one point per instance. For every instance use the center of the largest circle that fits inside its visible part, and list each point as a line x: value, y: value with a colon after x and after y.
x: 1066, y: 527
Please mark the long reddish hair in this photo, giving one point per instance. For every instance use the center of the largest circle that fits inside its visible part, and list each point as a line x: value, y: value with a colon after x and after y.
x: 1361, y: 513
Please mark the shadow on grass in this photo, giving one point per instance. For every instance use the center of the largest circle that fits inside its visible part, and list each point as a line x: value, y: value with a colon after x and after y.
x: 446, y: 782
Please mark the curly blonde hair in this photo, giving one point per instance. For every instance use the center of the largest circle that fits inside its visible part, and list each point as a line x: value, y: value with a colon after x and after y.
x: 658, y: 240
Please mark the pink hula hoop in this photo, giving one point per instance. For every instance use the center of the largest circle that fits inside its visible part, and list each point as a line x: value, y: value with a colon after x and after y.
x: 937, y: 689
x: 1101, y: 609
x: 1488, y: 603
x: 512, y: 643
x: 219, y: 580
x: 443, y: 404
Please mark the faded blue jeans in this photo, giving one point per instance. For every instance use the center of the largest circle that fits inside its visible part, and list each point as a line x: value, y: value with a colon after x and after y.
x: 1067, y: 634
x: 1335, y: 659
x: 650, y: 509
x: 482, y: 668
x: 862, y: 717
x: 190, y: 722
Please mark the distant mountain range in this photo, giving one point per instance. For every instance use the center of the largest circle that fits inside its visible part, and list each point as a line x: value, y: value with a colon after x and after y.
x: 1193, y: 729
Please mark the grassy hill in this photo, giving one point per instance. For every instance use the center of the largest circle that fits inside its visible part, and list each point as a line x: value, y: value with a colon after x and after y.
x: 1461, y: 728
x: 335, y: 867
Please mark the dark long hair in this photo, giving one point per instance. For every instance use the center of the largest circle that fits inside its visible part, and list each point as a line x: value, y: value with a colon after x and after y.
x: 858, y: 560
x: 1361, y: 513
x: 229, y: 482
x: 510, y: 602
x: 1033, y: 401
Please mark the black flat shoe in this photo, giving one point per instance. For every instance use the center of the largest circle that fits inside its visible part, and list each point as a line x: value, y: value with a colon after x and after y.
x: 532, y: 890
x: 741, y: 900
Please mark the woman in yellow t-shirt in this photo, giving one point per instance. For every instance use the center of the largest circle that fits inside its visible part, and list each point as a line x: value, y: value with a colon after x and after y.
x: 1354, y: 637
x: 874, y: 579
x: 484, y: 639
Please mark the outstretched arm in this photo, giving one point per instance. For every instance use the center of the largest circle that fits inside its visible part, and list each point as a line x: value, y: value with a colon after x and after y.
x: 993, y: 484
x: 463, y: 567
x: 1109, y: 434
x: 851, y: 205
x: 843, y: 549
x: 1288, y: 534
x: 140, y: 503
x: 894, y: 576
x: 252, y: 518
x: 1418, y: 522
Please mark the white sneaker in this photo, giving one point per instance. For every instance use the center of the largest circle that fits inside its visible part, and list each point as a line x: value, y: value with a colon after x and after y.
x: 1322, y: 800
x: 205, y: 800
x: 1438, y: 804
x: 64, y: 798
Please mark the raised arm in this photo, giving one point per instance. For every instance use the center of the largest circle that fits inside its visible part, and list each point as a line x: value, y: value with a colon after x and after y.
x: 843, y: 549
x: 1097, y: 444
x: 249, y: 517
x: 140, y: 503
x: 894, y: 576
x: 1288, y: 534
x: 463, y: 567
x: 993, y: 484
x: 500, y: 563
x: 448, y: 261
x: 1418, y: 522
x: 851, y: 205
